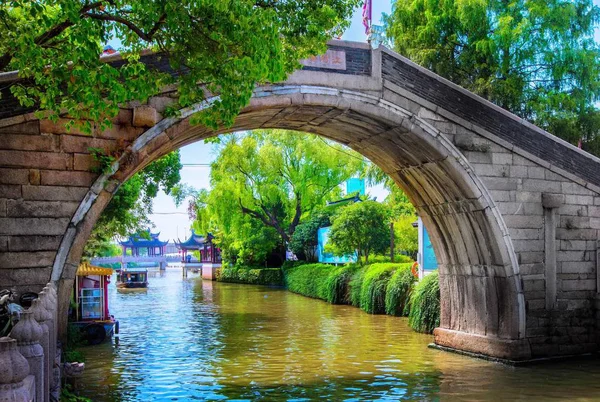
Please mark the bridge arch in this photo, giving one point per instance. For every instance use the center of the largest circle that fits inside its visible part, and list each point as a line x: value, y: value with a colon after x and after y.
x: 483, y: 308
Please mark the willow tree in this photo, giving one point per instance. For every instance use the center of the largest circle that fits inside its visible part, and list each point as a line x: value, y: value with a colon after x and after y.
x: 535, y: 58
x: 229, y: 45
x: 264, y: 183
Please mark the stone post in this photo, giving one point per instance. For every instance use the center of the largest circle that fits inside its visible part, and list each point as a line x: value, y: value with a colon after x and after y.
x: 14, y: 369
x: 47, y: 303
x: 50, y: 303
x: 28, y: 334
x: 56, y: 358
x: 550, y: 202
x: 42, y: 316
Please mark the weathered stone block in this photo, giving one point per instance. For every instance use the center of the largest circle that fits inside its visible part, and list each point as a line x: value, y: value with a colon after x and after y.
x: 34, y: 243
x: 535, y: 172
x: 145, y: 116
x: 528, y: 245
x: 534, y: 257
x: 536, y: 305
x: 500, y: 158
x: 573, y: 210
x: 574, y: 188
x: 568, y: 285
x: 46, y: 143
x: 529, y: 196
x: 578, y: 267
x: 503, y: 196
x: 31, y: 159
x: 524, y: 222
x: 13, y: 176
x: 574, y: 222
x: 54, y: 193
x: 579, y: 199
x: 541, y: 185
x: 28, y: 127
x: 27, y: 260
x: 41, y: 209
x: 10, y: 191
x: 85, y: 162
x: 67, y: 178
x: 491, y: 170
x: 533, y: 285
x: 500, y: 183
x: 33, y: 226
x: 80, y: 144
x: 570, y: 256
x: 518, y: 171
x: 576, y: 234
x: 531, y: 269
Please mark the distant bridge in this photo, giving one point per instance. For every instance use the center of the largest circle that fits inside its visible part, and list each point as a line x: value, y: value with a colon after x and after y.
x: 161, y: 260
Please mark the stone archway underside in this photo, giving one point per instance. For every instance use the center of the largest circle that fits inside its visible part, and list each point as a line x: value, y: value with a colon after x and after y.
x: 482, y: 302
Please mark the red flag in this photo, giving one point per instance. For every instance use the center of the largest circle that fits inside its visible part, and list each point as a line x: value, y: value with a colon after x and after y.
x: 367, y: 15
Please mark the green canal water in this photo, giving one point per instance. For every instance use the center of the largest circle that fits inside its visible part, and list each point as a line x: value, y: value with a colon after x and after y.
x: 188, y: 339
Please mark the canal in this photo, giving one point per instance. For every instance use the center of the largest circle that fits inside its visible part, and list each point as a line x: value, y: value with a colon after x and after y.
x: 188, y: 339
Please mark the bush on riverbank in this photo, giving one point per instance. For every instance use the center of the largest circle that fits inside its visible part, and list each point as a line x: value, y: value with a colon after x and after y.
x: 398, y: 291
x: 363, y: 287
x: 254, y: 276
x: 374, y: 284
x: 424, y: 303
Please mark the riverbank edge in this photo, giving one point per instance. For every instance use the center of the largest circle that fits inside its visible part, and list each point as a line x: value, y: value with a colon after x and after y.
x: 377, y: 288
x: 251, y: 276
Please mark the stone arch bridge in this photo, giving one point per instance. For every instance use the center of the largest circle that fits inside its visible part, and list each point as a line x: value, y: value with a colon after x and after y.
x: 513, y: 212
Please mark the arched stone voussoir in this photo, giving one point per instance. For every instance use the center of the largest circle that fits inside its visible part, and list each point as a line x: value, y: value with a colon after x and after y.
x: 468, y: 240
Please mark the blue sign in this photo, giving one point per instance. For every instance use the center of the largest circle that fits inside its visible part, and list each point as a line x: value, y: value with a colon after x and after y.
x: 354, y: 185
x: 330, y: 258
x: 429, y: 260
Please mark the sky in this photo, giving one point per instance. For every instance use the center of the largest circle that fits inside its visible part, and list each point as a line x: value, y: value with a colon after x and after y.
x: 172, y: 221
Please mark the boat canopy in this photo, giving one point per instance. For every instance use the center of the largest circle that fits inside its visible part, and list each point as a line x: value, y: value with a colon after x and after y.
x: 85, y: 269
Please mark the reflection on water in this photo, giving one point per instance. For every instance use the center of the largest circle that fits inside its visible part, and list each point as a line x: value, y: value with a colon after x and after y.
x: 188, y: 339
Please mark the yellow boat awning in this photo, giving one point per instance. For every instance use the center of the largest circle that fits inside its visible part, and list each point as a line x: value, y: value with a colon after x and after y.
x: 86, y: 269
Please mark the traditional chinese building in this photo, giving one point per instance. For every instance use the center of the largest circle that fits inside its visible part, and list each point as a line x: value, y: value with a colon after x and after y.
x: 146, y: 244
x: 209, y: 253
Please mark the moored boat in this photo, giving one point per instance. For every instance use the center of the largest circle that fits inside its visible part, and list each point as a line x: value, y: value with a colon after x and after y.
x: 132, y: 278
x: 91, y: 315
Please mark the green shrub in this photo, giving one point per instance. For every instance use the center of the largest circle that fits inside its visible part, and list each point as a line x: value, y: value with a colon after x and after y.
x: 308, y: 280
x: 373, y: 287
x: 398, y: 259
x: 398, y: 290
x: 254, y: 276
x: 337, y: 283
x: 291, y: 264
x: 424, y: 307
x: 355, y: 286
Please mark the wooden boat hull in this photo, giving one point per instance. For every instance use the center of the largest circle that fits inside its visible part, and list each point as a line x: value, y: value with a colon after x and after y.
x: 96, y: 332
x: 132, y: 285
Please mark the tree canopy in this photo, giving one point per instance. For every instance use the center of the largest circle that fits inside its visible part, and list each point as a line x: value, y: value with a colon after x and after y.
x: 271, y: 180
x: 362, y: 227
x: 127, y: 211
x: 535, y: 58
x: 229, y: 45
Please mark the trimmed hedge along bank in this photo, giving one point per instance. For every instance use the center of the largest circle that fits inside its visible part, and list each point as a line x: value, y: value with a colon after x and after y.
x: 258, y: 276
x: 377, y: 288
